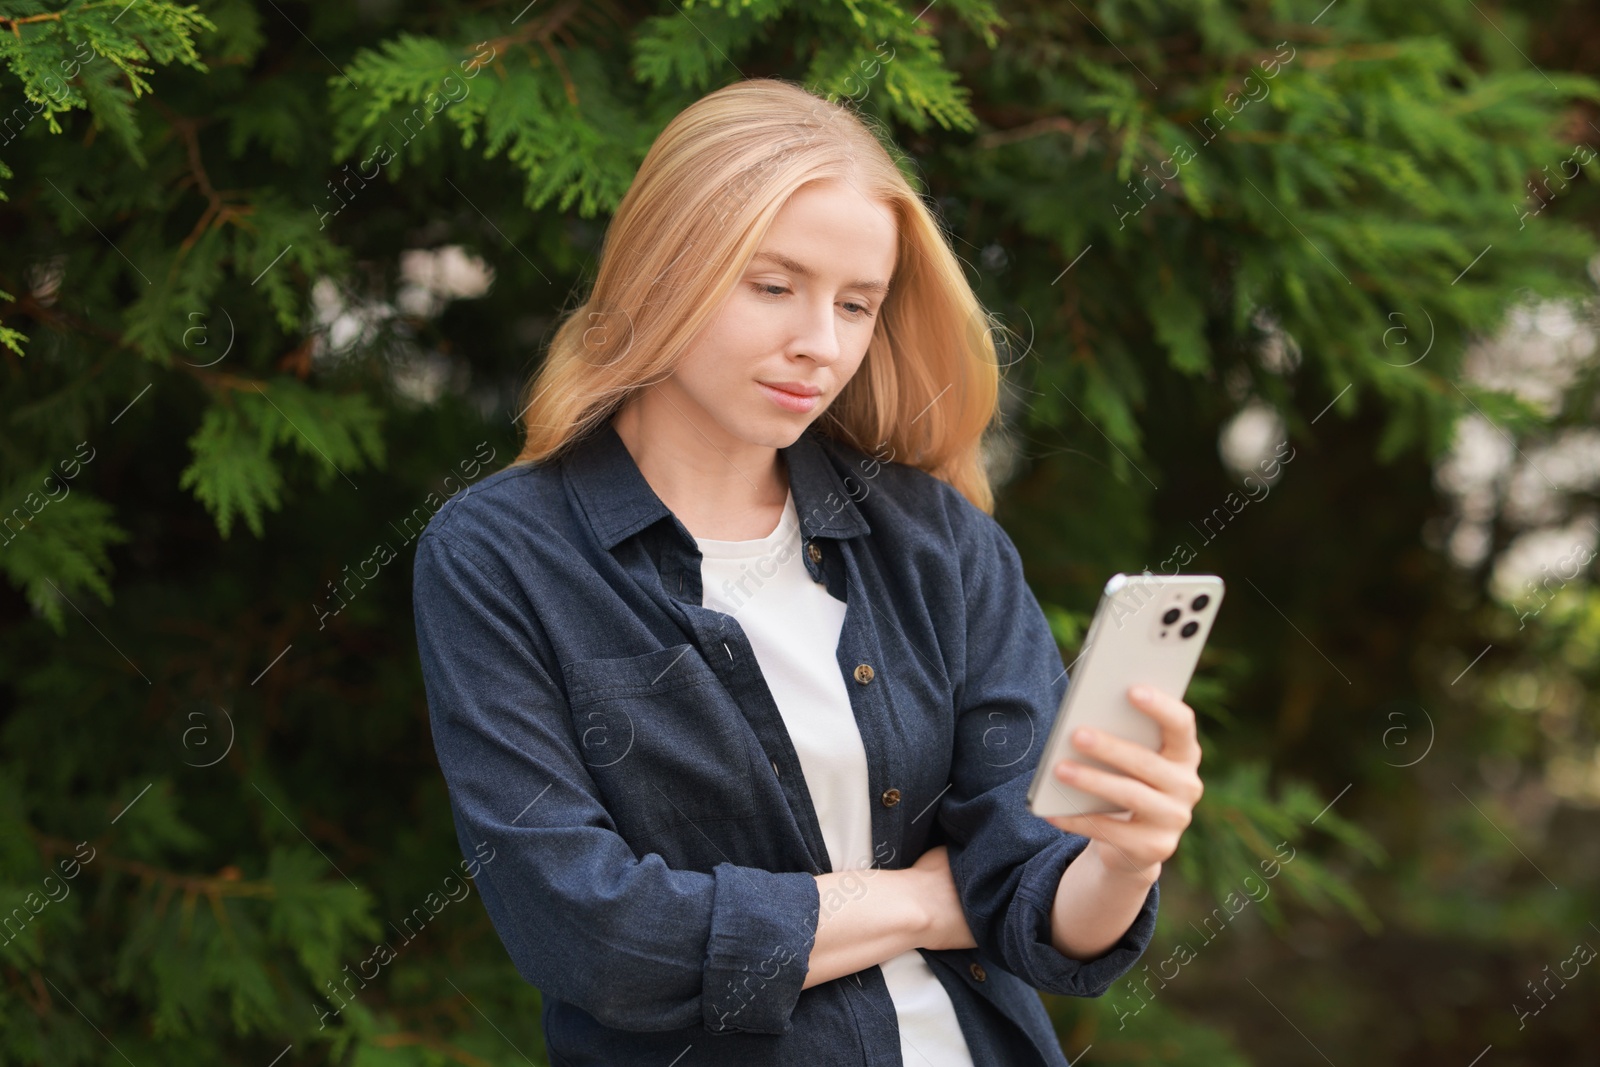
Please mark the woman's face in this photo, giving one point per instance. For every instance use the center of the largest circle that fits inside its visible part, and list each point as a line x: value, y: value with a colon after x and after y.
x: 794, y: 329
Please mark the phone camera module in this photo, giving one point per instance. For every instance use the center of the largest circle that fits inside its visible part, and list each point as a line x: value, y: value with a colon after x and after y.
x: 1200, y: 602
x: 1190, y: 628
x: 1170, y: 616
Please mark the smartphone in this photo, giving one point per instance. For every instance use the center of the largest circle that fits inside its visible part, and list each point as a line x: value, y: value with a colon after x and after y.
x: 1147, y: 628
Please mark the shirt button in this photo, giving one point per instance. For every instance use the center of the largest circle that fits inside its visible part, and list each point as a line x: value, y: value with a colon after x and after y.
x: 978, y: 972
x: 890, y: 797
x: 814, y: 551
x: 775, y: 768
x: 864, y: 673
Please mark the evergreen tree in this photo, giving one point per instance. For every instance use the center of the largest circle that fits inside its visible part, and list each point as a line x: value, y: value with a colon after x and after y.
x: 273, y: 274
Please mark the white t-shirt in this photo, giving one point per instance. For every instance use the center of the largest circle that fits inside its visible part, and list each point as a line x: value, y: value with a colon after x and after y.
x: 793, y: 623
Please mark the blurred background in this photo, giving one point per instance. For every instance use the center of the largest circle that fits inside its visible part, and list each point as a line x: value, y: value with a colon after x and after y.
x: 1301, y: 295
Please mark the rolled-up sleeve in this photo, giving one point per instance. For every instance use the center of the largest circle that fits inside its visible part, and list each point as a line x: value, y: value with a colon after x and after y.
x: 1006, y: 861
x: 637, y: 945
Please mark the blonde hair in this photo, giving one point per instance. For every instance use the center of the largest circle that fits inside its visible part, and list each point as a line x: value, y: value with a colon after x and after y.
x: 684, y: 233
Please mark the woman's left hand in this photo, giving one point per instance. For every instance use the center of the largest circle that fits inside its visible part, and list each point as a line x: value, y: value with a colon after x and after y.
x: 1159, y: 789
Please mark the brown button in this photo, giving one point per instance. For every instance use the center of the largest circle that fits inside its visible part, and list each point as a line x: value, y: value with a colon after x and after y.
x: 890, y: 797
x: 978, y: 972
x: 864, y: 673
x: 814, y: 550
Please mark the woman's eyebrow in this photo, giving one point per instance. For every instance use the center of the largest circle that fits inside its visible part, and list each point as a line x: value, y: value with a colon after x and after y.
x: 790, y: 264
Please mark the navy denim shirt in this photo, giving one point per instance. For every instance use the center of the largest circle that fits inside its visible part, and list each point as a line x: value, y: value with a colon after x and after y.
x: 654, y: 842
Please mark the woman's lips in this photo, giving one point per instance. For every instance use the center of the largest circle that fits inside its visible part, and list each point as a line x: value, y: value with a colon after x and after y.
x: 790, y: 401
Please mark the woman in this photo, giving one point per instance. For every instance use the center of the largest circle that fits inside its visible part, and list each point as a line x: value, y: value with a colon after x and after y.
x: 734, y: 673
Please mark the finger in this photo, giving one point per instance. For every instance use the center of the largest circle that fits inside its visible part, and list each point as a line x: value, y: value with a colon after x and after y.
x: 1179, y: 736
x: 1091, y: 826
x: 1172, y: 778
x: 1129, y: 842
x: 1099, y: 825
x: 1146, y: 802
x: 1076, y: 804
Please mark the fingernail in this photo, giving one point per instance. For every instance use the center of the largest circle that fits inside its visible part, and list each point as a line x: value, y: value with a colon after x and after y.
x: 1140, y: 692
x: 1086, y: 736
x: 1067, y: 770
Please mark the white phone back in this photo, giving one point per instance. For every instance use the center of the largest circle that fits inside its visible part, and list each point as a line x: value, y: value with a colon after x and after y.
x: 1129, y: 641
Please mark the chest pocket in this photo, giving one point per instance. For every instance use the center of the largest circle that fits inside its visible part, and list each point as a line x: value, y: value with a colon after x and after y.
x: 663, y: 741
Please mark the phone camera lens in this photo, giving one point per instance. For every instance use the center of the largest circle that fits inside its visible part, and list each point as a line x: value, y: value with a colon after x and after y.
x: 1200, y: 601
x: 1171, y: 616
x: 1189, y: 628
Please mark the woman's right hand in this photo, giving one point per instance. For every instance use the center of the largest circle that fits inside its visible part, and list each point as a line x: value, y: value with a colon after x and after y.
x: 936, y: 893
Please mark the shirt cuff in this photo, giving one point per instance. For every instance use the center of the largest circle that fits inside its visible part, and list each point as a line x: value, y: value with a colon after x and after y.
x: 758, y: 954
x: 1041, y: 964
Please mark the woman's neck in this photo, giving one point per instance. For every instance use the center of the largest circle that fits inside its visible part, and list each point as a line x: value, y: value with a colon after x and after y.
x: 733, y: 492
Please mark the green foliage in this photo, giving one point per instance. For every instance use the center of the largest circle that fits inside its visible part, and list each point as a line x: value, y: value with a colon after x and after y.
x: 54, y: 54
x: 1238, y: 827
x: 67, y: 543
x: 9, y: 337
x: 1157, y: 1034
x: 1178, y: 209
x: 234, y: 472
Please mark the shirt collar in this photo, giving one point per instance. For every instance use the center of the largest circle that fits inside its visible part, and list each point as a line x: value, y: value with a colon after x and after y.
x: 619, y: 501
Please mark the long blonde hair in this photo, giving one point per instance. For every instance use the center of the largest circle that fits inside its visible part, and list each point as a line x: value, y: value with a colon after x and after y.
x: 683, y: 235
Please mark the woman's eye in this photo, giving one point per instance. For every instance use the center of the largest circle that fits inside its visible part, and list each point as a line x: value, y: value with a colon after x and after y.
x: 766, y: 289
